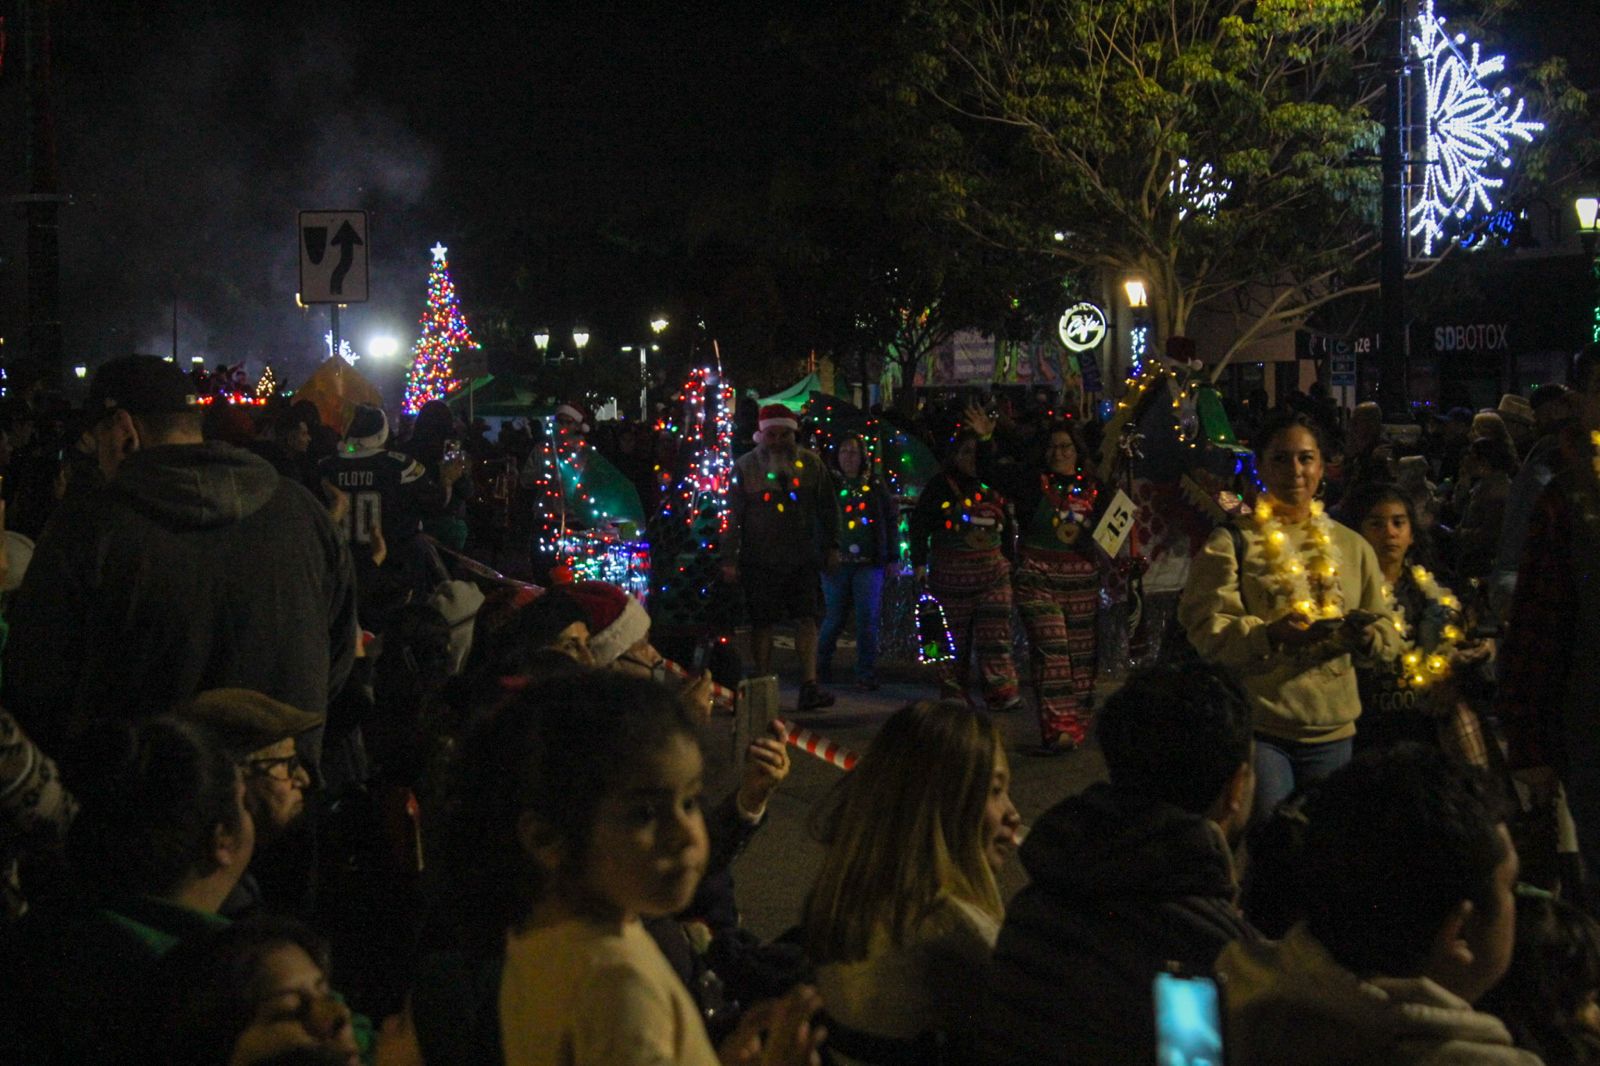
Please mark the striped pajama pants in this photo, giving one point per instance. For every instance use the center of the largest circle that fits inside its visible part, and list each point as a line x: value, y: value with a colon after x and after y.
x: 1057, y: 594
x: 975, y: 590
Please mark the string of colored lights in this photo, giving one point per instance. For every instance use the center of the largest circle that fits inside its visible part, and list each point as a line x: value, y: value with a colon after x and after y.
x: 602, y: 555
x: 935, y: 643
x: 824, y: 418
x: 702, y: 422
x: 1138, y: 348
x: 1596, y: 271
x: 561, y: 500
x: 444, y: 335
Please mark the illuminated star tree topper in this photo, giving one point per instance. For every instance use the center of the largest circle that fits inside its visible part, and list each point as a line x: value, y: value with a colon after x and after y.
x: 444, y: 336
x: 1470, y: 128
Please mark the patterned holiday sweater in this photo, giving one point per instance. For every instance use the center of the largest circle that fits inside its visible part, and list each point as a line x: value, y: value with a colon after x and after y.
x: 958, y: 514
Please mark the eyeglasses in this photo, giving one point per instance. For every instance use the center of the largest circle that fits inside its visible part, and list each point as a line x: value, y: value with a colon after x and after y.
x: 291, y: 764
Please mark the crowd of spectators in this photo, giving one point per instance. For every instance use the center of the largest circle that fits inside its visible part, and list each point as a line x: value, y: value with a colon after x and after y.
x: 264, y: 798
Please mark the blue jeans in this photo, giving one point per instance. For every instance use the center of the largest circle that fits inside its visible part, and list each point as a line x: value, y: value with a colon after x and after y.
x: 1285, y: 765
x: 863, y: 583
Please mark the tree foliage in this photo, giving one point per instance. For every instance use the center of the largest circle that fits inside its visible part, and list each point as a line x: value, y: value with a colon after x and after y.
x: 1225, y: 150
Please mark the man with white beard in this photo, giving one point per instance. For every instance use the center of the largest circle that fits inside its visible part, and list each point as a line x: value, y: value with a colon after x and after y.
x: 783, y: 528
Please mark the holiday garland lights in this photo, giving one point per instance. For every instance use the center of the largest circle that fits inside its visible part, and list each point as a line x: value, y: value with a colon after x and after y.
x: 1306, y: 581
x: 1422, y: 663
x: 444, y: 335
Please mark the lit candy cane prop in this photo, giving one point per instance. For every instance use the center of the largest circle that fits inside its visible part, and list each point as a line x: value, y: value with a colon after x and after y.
x: 721, y: 695
x: 820, y: 746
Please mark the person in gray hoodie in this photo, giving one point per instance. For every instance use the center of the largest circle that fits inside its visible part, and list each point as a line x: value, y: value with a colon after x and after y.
x: 196, y: 567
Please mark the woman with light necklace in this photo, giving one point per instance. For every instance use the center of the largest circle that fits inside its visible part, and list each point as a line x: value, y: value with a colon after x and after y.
x: 1283, y: 599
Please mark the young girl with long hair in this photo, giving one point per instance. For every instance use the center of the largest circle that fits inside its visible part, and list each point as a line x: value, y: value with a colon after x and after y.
x: 1395, y: 707
x: 578, y: 814
x: 905, y: 908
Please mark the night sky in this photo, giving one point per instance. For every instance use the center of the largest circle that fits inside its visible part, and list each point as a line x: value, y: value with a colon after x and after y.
x: 589, y: 161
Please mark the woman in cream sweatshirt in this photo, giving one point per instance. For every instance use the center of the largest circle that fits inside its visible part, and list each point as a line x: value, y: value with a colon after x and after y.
x: 1282, y: 601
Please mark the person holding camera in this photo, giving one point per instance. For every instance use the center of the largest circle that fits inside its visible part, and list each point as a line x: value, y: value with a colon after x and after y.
x: 1284, y: 600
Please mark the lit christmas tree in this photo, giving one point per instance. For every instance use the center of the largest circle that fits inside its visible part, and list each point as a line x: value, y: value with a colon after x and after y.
x: 444, y: 333
x: 267, y: 384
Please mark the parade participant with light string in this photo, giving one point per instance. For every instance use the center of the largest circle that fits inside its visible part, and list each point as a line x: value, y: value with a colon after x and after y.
x: 1283, y: 599
x: 958, y: 532
x: 1057, y: 579
x: 867, y: 540
x: 783, y: 531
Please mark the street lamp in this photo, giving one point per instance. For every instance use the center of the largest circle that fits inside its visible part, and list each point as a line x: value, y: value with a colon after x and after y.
x: 80, y: 371
x: 1138, y: 295
x: 657, y: 325
x: 383, y: 347
x: 1588, y: 208
x: 1139, y: 336
x: 580, y: 339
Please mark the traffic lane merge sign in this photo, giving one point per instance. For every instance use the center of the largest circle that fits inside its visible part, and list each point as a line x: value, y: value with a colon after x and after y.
x: 333, y: 257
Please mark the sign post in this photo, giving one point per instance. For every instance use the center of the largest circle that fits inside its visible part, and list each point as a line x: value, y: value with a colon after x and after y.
x: 333, y: 261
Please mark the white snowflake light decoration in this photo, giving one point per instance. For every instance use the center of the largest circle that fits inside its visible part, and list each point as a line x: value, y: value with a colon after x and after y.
x: 1469, y: 129
x: 1198, y: 189
x: 347, y: 353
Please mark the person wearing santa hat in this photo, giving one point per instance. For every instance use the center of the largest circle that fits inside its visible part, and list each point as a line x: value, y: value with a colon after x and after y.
x: 783, y: 528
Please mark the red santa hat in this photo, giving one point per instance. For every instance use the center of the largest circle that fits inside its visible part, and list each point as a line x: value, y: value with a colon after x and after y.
x: 574, y: 410
x: 617, y: 621
x: 775, y: 414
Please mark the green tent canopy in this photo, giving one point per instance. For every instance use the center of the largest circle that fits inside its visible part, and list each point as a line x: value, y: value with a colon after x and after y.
x: 611, y: 497
x: 497, y: 397
x: 796, y: 395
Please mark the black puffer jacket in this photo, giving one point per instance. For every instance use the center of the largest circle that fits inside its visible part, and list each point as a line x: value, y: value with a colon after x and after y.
x: 196, y: 567
x: 1119, y: 887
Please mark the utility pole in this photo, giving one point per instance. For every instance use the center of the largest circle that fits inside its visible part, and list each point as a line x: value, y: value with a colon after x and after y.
x: 1394, y: 349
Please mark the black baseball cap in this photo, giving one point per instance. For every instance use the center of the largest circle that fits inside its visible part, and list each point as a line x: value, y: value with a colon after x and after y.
x: 141, y: 385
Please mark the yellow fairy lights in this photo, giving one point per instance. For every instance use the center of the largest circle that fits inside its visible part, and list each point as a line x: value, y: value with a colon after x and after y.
x: 1422, y: 667
x: 1305, y: 571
